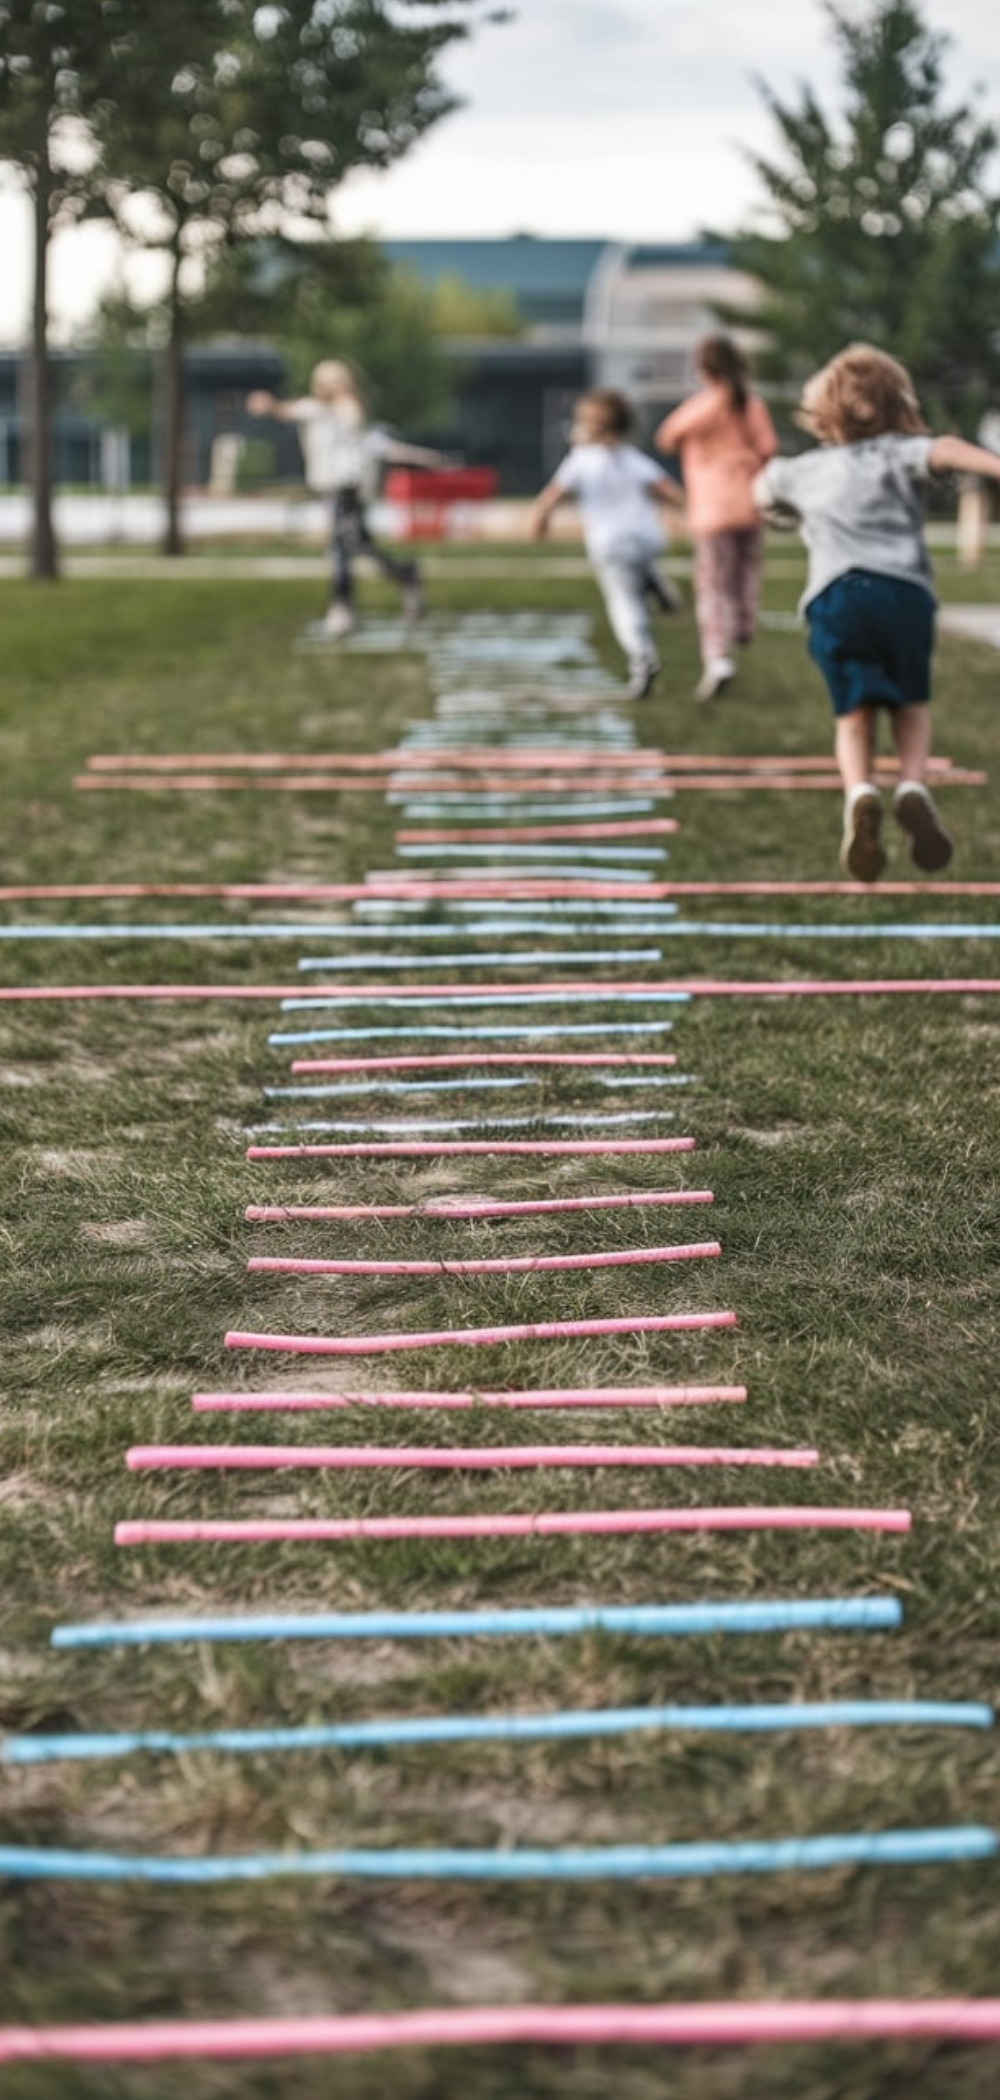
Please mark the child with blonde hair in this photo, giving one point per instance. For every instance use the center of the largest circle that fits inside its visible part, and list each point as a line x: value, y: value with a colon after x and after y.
x: 619, y: 491
x: 342, y: 451
x: 869, y: 600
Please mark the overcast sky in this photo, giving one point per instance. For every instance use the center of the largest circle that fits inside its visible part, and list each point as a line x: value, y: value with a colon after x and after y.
x: 618, y: 117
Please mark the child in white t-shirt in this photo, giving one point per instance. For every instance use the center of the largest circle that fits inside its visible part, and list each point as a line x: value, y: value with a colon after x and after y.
x: 619, y: 492
x: 342, y: 451
x: 869, y: 600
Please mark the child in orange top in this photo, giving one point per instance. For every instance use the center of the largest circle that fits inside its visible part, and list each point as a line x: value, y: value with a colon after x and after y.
x: 724, y: 436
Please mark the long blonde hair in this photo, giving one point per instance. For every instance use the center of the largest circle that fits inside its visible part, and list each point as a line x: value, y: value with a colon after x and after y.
x: 332, y: 380
x: 862, y: 393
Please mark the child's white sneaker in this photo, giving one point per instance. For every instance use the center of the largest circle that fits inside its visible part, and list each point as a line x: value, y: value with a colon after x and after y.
x: 717, y: 675
x: 338, y: 621
x: 914, y: 810
x: 862, y: 854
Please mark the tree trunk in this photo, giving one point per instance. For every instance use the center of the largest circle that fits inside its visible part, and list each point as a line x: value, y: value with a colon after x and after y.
x: 173, y: 542
x: 44, y: 562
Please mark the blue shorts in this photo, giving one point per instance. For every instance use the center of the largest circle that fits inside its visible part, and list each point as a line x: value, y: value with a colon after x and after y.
x: 872, y: 637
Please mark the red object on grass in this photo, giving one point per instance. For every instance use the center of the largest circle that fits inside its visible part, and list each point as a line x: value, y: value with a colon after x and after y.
x: 425, y: 495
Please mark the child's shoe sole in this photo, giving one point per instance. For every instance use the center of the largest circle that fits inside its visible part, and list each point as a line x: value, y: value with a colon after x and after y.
x: 930, y: 846
x: 862, y: 854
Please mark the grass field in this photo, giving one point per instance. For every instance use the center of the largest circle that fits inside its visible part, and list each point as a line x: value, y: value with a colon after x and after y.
x: 852, y: 1147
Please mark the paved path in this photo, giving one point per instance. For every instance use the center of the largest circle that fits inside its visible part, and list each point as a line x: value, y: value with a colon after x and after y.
x: 973, y: 623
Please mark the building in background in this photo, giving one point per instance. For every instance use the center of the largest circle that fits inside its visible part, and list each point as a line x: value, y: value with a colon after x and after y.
x: 90, y: 451
x: 646, y: 310
x: 594, y: 313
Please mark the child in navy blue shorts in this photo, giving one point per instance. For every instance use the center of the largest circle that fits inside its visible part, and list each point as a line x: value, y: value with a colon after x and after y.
x: 869, y: 600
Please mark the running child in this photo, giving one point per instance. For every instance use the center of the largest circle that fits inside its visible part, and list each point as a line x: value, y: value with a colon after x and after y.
x: 724, y: 436
x: 619, y: 491
x: 869, y: 600
x: 342, y: 452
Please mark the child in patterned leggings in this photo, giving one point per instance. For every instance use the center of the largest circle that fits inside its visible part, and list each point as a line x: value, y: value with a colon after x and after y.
x: 724, y: 435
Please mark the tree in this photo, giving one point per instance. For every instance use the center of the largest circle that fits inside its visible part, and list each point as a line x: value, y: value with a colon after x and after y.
x: 882, y: 221
x: 58, y: 63
x: 243, y: 118
x: 336, y: 298
x: 192, y: 122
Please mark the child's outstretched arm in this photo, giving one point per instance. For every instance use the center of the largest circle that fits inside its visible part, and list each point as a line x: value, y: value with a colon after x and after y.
x: 403, y: 455
x: 774, y: 505
x: 542, y: 509
x: 953, y: 455
x: 668, y: 491
x: 264, y: 404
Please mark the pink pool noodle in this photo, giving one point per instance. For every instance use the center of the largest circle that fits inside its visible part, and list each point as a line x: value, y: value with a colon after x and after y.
x: 351, y: 1458
x: 472, y: 757
x: 338, y: 892
x: 466, y: 888
x: 743, y: 777
x: 495, y: 1265
x: 709, y: 2024
x: 467, y: 758
x: 376, y: 994
x: 540, y: 1397
x: 305, y: 783
x: 520, y: 889
x: 543, y: 1524
x: 418, y: 1148
x: 468, y: 1207
x: 527, y: 834
x: 700, y: 988
x: 532, y: 1331
x: 819, y: 889
x: 794, y: 783
x: 463, y: 1060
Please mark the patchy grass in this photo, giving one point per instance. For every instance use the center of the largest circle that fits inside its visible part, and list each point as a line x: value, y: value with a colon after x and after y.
x: 851, y: 1146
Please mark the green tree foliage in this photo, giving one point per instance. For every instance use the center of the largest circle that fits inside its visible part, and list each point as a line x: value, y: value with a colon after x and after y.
x: 117, y: 382
x: 881, y: 220
x: 193, y: 123
x: 60, y: 61
x: 470, y: 313
x: 242, y: 118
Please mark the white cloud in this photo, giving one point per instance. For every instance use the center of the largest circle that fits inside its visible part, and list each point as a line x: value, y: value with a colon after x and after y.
x: 583, y: 116
x: 621, y: 116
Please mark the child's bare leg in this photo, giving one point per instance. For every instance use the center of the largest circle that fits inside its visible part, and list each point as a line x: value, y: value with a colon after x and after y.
x: 862, y: 854
x: 911, y: 734
x: 913, y: 807
x: 854, y: 745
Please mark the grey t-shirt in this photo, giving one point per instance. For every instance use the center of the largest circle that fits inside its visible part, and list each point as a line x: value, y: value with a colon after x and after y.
x: 858, y: 507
